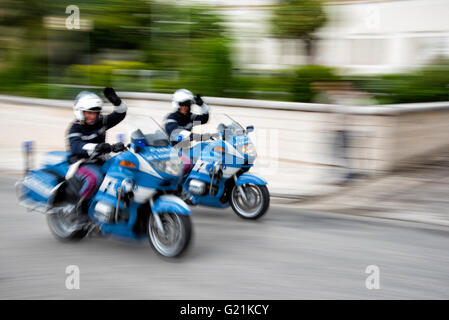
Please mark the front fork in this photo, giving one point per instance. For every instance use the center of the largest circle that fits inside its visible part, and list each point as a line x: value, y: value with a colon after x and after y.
x: 240, y: 189
x: 159, y: 224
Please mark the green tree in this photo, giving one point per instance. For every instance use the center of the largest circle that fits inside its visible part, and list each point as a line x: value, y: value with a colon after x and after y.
x: 298, y: 19
x: 164, y: 36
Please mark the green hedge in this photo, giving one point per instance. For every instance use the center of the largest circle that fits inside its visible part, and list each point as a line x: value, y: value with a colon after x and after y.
x: 215, y: 77
x: 426, y: 84
x: 305, y: 76
x: 103, y: 73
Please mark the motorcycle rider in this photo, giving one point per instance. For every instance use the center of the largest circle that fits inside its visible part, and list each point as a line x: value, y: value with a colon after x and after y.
x: 180, y: 123
x: 87, y: 135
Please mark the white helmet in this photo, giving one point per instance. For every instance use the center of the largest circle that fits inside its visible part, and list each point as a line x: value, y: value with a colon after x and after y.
x: 86, y: 101
x: 182, y: 95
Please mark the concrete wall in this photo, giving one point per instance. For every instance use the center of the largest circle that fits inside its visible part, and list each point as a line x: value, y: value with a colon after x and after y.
x: 420, y: 133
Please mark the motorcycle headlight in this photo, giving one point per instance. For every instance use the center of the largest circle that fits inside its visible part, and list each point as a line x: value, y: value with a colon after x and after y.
x: 171, y: 166
x: 249, y: 150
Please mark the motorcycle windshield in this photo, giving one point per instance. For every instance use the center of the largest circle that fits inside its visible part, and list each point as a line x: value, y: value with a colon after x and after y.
x: 236, y: 135
x: 228, y: 125
x: 145, y: 131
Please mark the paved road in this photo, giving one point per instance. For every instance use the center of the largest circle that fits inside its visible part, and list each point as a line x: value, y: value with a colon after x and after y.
x: 289, y: 254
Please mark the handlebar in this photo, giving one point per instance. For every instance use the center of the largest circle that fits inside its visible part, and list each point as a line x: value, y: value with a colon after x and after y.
x: 96, y: 154
x: 204, y: 136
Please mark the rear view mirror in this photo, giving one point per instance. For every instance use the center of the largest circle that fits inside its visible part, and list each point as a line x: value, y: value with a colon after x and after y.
x: 249, y: 129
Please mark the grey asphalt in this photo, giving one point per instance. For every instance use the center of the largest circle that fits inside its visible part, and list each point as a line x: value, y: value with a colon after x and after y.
x: 288, y: 254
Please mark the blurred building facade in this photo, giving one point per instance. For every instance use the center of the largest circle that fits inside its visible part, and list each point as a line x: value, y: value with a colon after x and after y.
x: 361, y: 36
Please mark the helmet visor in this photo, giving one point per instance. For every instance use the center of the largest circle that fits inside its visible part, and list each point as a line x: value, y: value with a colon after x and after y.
x: 186, y: 103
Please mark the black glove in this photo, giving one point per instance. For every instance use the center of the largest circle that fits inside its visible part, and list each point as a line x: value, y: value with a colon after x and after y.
x: 117, y: 147
x: 198, y: 100
x: 103, y: 148
x: 113, y: 98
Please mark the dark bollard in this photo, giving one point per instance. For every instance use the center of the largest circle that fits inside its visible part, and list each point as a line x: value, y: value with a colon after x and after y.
x: 28, y: 154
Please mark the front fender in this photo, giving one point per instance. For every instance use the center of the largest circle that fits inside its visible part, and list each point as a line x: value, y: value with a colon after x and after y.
x: 250, y: 178
x: 170, y: 203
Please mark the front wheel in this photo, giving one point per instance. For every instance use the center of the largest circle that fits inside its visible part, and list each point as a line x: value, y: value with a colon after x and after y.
x: 174, y: 239
x: 253, y: 204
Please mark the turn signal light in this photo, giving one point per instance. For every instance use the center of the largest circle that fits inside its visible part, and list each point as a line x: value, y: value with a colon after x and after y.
x: 127, y: 164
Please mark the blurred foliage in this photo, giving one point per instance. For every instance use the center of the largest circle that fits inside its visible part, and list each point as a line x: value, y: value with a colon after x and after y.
x: 425, y: 84
x: 104, y: 73
x: 262, y: 85
x: 305, y: 76
x: 214, y: 74
x: 298, y: 19
x: 187, y: 41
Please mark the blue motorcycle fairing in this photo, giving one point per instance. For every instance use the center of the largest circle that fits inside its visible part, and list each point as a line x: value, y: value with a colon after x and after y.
x: 170, y: 203
x: 250, y: 178
x: 57, y: 162
x: 155, y: 154
x: 115, y: 160
x: 39, y: 186
x: 146, y: 155
x: 159, y: 179
x: 107, y: 192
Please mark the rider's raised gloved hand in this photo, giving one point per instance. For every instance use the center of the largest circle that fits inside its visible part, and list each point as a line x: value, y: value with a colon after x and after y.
x: 113, y: 98
x: 103, y: 148
x: 117, y: 147
x: 198, y: 100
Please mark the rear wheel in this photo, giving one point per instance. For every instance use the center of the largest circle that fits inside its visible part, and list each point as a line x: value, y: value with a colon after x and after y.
x: 253, y: 204
x: 66, y: 225
x: 175, y: 237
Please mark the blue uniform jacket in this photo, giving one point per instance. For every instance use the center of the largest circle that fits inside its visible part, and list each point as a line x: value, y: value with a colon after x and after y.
x: 177, y: 120
x: 82, y: 138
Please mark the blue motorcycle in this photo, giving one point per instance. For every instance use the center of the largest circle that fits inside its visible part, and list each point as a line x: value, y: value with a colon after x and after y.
x: 134, y: 201
x: 218, y: 174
